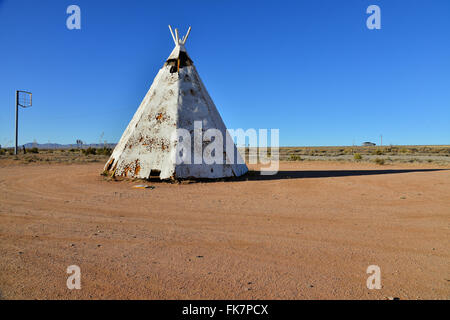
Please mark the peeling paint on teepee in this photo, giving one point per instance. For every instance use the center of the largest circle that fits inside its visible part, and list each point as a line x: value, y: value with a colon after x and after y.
x: 176, y: 99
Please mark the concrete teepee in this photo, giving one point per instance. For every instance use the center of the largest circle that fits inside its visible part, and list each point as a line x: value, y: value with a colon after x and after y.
x: 177, y: 101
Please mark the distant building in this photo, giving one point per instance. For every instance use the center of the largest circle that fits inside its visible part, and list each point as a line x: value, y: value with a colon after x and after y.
x: 368, y: 144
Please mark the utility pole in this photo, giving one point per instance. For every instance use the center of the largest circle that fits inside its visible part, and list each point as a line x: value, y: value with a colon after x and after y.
x: 17, y: 120
x: 381, y: 138
x: 26, y: 103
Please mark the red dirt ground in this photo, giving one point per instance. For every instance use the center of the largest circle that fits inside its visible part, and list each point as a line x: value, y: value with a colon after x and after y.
x: 308, y: 233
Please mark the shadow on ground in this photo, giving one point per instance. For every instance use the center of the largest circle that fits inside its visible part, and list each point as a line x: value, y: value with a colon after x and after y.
x: 302, y: 174
x: 255, y: 175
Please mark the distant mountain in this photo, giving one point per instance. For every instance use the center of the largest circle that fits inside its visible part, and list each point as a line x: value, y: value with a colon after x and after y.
x: 66, y: 146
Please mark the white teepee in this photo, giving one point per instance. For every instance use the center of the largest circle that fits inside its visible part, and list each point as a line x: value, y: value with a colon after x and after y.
x: 177, y: 99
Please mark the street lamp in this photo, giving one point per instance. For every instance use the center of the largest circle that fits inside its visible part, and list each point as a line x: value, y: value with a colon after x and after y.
x: 23, y: 99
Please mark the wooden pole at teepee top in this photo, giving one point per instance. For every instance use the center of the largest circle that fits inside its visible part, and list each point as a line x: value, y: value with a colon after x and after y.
x: 176, y: 35
x: 187, y: 35
x: 171, y: 32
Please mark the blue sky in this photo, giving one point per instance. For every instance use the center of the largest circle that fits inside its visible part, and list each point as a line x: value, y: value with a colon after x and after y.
x: 308, y: 67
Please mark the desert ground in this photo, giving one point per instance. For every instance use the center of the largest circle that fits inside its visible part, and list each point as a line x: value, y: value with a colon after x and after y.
x: 309, y: 232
